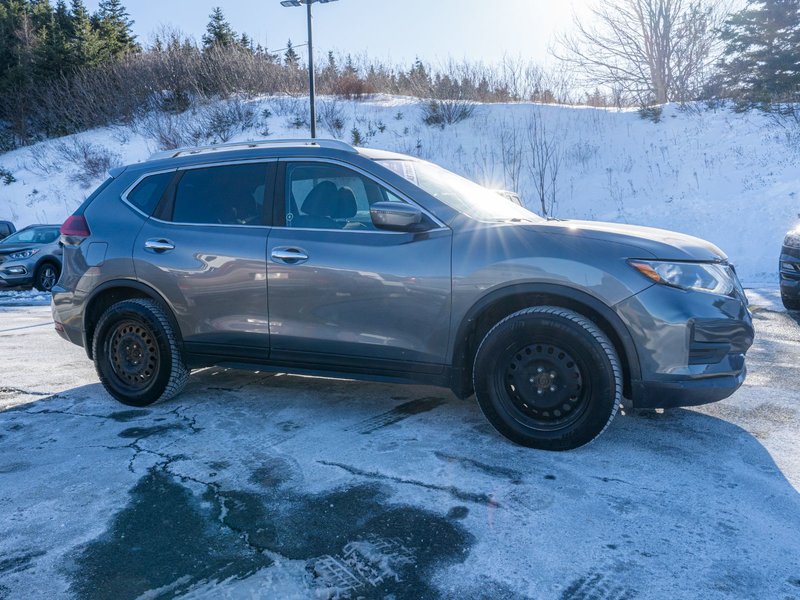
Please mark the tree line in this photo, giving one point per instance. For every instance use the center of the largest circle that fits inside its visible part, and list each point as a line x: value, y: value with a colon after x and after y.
x: 63, y: 69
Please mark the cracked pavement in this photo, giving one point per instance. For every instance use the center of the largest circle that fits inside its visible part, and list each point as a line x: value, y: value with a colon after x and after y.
x: 259, y: 485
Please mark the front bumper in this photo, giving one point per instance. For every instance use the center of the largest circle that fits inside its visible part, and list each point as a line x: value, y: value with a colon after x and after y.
x: 687, y: 392
x: 15, y: 275
x: 691, y: 345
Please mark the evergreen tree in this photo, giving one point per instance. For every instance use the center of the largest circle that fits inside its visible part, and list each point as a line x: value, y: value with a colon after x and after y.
x: 113, y: 27
x: 218, y: 31
x: 290, y: 57
x: 762, y: 54
x: 54, y: 56
x: 86, y: 46
x: 246, y: 43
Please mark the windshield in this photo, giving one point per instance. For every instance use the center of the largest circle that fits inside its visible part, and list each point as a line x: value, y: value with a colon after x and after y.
x: 37, y: 235
x: 459, y: 193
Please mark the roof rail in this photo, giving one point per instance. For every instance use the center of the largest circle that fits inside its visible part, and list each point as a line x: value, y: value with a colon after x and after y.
x: 332, y: 144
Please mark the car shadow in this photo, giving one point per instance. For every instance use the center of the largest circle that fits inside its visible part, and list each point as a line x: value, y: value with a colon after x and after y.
x: 371, y: 489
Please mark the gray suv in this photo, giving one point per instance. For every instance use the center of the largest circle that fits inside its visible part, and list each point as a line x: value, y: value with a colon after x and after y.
x: 314, y: 257
x: 31, y: 257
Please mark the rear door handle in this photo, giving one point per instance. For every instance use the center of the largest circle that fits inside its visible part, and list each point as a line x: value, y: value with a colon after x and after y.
x: 159, y: 245
x: 289, y: 256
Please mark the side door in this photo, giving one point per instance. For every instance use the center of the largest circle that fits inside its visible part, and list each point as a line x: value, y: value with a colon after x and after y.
x: 204, y: 249
x: 345, y: 294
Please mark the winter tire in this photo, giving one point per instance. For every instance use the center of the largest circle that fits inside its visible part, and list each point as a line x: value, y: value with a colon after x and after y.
x: 790, y: 303
x: 46, y: 276
x: 549, y: 378
x: 136, y: 353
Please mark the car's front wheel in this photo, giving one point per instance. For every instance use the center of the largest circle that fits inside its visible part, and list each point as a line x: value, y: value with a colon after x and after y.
x: 790, y: 302
x: 136, y: 353
x: 46, y: 276
x: 549, y: 378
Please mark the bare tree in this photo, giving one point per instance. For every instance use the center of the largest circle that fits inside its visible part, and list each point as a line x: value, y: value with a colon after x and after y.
x: 652, y: 51
x: 510, y: 140
x: 544, y: 162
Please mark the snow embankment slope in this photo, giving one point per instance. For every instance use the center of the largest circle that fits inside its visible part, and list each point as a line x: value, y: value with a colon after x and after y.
x: 731, y: 178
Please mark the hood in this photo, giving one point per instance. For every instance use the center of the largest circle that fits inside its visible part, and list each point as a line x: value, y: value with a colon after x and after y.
x: 660, y: 243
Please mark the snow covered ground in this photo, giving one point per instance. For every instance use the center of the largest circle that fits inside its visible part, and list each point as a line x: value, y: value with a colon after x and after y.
x: 731, y: 178
x: 269, y: 486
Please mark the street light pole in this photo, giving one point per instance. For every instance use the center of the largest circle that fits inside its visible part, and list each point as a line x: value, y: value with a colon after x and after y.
x: 311, y: 78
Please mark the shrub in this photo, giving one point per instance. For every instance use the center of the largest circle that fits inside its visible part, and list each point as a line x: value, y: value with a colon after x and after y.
x: 221, y: 122
x: 90, y: 161
x: 168, y: 131
x: 6, y: 176
x: 351, y: 86
x: 438, y: 113
x: 331, y: 115
x: 651, y: 113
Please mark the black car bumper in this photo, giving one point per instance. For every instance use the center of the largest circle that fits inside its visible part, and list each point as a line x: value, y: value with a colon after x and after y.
x: 687, y: 392
x: 789, y: 269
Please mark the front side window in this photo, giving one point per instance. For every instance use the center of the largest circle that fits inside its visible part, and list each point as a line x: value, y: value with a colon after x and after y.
x: 328, y: 196
x: 223, y: 195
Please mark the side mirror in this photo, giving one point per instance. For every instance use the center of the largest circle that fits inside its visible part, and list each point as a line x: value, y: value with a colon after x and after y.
x: 395, y: 216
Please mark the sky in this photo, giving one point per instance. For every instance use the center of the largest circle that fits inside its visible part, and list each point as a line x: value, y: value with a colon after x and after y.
x: 397, y: 30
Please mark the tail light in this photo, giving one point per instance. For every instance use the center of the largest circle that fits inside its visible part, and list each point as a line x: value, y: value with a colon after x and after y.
x: 74, y: 230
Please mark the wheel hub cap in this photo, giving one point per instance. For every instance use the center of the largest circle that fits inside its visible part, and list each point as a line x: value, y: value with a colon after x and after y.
x: 545, y: 383
x: 134, y: 354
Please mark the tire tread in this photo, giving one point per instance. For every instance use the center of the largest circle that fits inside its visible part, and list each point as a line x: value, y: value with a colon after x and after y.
x: 179, y: 374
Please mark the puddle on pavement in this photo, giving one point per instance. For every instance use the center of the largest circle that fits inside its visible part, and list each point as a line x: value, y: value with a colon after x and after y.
x: 398, y: 413
x: 353, y: 542
x: 140, y: 433
x: 164, y: 535
x: 123, y: 416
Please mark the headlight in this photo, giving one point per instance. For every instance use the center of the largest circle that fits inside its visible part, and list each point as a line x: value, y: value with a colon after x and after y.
x: 23, y: 254
x: 792, y: 239
x: 700, y: 277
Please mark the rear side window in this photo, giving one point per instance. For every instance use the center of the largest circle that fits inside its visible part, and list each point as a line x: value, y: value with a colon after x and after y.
x: 147, y: 194
x: 224, y: 195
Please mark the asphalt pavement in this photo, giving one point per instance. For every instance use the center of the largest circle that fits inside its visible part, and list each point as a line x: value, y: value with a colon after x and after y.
x: 253, y: 485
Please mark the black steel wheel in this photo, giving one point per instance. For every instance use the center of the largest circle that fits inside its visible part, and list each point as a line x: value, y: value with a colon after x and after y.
x: 547, y: 377
x: 46, y: 277
x: 545, y: 384
x: 137, y: 354
x: 134, y: 354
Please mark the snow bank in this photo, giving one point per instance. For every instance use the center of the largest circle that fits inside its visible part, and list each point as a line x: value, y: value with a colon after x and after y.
x: 730, y: 178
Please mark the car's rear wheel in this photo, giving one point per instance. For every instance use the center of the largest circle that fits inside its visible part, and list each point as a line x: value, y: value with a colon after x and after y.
x: 136, y: 353
x: 46, y: 276
x: 549, y: 378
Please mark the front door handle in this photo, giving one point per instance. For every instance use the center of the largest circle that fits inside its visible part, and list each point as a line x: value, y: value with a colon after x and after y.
x: 159, y: 246
x: 289, y: 256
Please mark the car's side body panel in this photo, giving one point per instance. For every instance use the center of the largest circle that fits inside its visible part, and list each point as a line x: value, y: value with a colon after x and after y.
x: 367, y: 294
x: 216, y: 280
